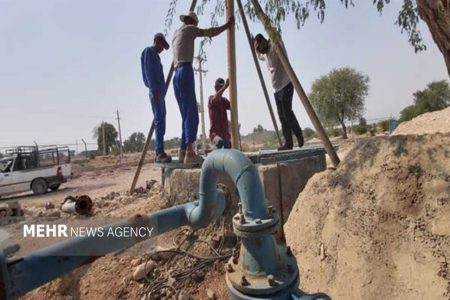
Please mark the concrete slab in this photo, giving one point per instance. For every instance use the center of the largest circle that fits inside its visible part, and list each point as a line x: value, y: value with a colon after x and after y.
x: 283, y: 181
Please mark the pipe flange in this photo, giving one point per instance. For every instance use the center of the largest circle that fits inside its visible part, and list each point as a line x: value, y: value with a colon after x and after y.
x: 242, y: 223
x: 283, y: 294
x: 263, y: 284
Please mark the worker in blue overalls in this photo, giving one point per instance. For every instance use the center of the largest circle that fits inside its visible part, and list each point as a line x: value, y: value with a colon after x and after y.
x: 153, y: 74
x: 184, y: 83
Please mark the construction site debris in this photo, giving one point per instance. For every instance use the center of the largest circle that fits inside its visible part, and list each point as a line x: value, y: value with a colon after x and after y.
x: 184, y: 296
x: 11, y: 209
x: 150, y: 183
x: 143, y: 269
x: 211, y: 294
x: 49, y: 205
x: 81, y: 205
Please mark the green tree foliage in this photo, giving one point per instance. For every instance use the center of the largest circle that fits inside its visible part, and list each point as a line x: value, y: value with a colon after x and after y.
x: 435, y: 96
x: 361, y: 128
x: 258, y: 128
x: 301, y: 10
x: 173, y: 143
x: 383, y: 125
x: 407, y: 113
x: 110, y: 137
x: 339, y: 96
x: 308, y: 132
x: 135, y: 143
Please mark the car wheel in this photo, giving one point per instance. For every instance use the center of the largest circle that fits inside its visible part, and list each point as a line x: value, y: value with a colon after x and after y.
x: 55, y: 187
x: 39, y: 186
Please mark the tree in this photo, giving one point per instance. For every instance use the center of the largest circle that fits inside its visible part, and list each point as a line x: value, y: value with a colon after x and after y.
x: 308, y: 132
x: 339, y: 96
x: 135, y: 143
x: 258, y: 129
x: 435, y: 96
x: 383, y: 125
x: 110, y: 137
x: 407, y: 113
x: 361, y: 128
x: 436, y: 15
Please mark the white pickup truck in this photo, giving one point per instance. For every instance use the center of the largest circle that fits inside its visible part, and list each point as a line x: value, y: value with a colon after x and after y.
x: 27, y: 168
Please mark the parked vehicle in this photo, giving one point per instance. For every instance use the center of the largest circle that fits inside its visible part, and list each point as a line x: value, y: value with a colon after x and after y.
x: 30, y: 168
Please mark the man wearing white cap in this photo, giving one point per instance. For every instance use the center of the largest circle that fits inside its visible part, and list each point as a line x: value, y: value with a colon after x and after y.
x: 184, y: 82
x: 153, y: 75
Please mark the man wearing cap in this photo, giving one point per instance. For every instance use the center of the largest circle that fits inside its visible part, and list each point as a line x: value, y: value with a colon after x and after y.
x: 153, y: 75
x: 218, y: 105
x: 184, y: 83
x: 284, y: 91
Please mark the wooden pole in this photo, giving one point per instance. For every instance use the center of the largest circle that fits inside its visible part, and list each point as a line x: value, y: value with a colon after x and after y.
x: 258, y: 70
x: 275, y: 40
x: 142, y: 159
x: 152, y: 128
x: 231, y: 53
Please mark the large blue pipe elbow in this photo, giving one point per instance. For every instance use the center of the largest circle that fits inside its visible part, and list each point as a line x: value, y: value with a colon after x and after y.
x: 242, y: 172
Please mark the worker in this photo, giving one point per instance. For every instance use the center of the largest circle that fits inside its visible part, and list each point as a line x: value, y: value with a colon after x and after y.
x: 184, y: 83
x: 219, y: 134
x: 153, y: 74
x: 284, y: 91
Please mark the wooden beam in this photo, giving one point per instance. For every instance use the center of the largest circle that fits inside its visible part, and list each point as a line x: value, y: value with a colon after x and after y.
x: 231, y: 53
x: 258, y: 70
x: 275, y: 40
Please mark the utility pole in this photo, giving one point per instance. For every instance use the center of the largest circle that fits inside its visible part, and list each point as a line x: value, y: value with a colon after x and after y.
x: 104, y: 140
x: 231, y: 51
x: 200, y: 72
x: 85, y: 149
x: 120, y: 135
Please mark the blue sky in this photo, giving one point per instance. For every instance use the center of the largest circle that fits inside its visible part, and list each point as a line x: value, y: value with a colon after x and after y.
x: 66, y: 65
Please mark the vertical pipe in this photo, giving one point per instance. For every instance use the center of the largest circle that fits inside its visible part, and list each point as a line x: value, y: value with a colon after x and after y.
x: 202, y: 105
x: 85, y: 149
x: 274, y: 37
x: 258, y: 70
x: 231, y: 52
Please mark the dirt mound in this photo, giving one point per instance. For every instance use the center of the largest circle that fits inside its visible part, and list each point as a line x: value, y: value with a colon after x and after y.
x: 428, y: 123
x: 378, y: 227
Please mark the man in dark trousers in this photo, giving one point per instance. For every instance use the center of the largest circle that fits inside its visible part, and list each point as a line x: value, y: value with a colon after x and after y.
x: 218, y: 105
x: 153, y: 75
x: 183, y: 82
x: 284, y: 91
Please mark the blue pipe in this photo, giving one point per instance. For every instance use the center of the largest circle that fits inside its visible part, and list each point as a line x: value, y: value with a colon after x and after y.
x: 242, y: 172
x: 42, y: 266
x: 259, y: 255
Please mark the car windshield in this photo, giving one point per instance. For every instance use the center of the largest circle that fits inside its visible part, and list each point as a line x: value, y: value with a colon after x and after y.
x: 5, y: 164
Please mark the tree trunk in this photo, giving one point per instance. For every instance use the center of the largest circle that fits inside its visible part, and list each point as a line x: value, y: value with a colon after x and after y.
x: 344, y: 128
x: 436, y: 14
